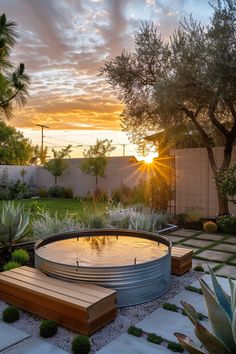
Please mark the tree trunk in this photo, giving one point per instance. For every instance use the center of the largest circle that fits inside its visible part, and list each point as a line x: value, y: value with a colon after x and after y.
x: 55, y: 180
x: 223, y: 204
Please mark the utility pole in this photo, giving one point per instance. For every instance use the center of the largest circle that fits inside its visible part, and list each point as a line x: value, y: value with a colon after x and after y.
x: 123, y: 147
x: 42, y: 127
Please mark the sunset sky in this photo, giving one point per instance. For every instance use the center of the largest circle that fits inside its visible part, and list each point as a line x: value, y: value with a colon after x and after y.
x: 63, y: 43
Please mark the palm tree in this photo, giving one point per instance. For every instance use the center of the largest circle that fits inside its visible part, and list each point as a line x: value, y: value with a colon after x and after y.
x: 14, y: 83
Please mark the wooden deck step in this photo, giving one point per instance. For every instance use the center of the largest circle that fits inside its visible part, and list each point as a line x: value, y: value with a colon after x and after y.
x: 77, y: 306
x: 181, y: 260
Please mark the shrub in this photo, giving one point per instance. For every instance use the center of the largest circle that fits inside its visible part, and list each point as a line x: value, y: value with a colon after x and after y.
x: 153, y: 338
x: 193, y: 289
x: 135, y: 331
x: 57, y: 191
x: 43, y: 193
x: 48, y: 328
x: 97, y: 222
x: 68, y: 193
x: 20, y: 256
x: 210, y: 226
x: 193, y: 215
x: 11, y: 265
x: 81, y: 345
x: 10, y: 314
x: 227, y: 224
x: 48, y: 225
x: 199, y: 268
x: 175, y: 347
x: 170, y: 307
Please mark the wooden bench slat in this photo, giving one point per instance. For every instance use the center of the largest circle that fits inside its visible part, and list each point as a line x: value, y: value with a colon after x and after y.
x: 181, y: 260
x: 42, y: 283
x: 86, y: 288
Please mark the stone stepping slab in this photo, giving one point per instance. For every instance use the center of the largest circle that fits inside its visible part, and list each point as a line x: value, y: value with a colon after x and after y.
x: 197, y: 243
x: 10, y: 335
x: 203, y: 263
x: 194, y: 299
x: 165, y: 323
x: 210, y: 237
x: 214, y: 255
x: 225, y: 247
x: 174, y: 238
x: 184, y: 233
x: 227, y: 270
x: 38, y: 347
x: 128, y: 344
x: 231, y: 240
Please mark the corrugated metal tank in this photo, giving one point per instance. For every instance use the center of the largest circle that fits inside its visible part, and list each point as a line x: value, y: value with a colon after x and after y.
x: 135, y: 284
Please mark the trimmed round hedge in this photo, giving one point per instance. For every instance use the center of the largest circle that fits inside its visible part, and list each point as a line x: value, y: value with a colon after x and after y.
x: 20, y: 256
x: 48, y: 328
x: 81, y: 345
x: 10, y: 314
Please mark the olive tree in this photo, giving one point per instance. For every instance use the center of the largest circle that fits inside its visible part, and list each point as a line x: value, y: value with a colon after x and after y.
x: 188, y: 79
x: 58, y: 165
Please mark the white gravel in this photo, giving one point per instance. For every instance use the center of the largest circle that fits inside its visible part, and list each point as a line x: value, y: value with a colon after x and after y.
x: 126, y: 317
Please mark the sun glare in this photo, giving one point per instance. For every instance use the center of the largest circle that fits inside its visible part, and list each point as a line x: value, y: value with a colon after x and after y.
x: 148, y: 159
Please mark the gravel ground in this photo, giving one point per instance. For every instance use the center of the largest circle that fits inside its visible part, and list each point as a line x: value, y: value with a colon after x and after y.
x: 126, y: 317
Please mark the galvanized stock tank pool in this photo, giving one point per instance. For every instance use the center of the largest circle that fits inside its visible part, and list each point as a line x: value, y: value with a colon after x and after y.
x: 136, y: 264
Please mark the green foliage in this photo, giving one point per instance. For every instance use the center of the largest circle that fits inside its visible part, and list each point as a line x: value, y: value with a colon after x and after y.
x: 11, y: 265
x: 14, y: 82
x: 153, y: 338
x: 186, y: 80
x: 175, y: 347
x: 81, y: 345
x: 97, y: 222
x: 160, y: 191
x: 199, y: 268
x: 13, y: 222
x: 193, y: 215
x: 193, y: 289
x: 137, y: 332
x: 221, y: 309
x: 68, y: 193
x: 227, y: 224
x: 96, y: 159
x: 48, y: 224
x: 20, y: 256
x: 48, y: 328
x: 57, y: 191
x: 14, y: 147
x: 170, y: 307
x: 127, y: 196
x: 57, y: 165
x: 226, y: 183
x: 210, y: 227
x: 43, y: 193
x: 10, y: 314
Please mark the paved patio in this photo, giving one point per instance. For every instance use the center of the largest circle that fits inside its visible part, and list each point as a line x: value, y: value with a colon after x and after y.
x: 216, y: 250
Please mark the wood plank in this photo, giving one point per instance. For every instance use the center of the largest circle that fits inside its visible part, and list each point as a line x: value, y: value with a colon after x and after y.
x: 55, y: 287
x: 97, y: 290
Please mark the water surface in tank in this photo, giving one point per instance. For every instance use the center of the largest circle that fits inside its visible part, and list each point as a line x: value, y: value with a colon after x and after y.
x: 103, y: 251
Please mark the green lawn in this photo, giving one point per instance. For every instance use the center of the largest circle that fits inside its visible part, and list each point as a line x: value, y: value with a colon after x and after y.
x: 62, y: 205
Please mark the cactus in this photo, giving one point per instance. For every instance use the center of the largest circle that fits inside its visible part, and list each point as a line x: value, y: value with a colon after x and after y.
x: 221, y: 309
x: 13, y: 223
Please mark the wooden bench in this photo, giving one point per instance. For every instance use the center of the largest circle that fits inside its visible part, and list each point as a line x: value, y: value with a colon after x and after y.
x: 181, y: 260
x: 80, y: 307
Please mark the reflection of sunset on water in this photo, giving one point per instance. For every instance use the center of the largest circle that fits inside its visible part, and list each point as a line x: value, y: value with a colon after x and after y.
x: 103, y: 251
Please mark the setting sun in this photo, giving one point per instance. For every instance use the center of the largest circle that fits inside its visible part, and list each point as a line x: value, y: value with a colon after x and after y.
x: 148, y: 159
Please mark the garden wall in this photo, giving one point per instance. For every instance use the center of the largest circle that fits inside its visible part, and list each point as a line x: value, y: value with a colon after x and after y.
x: 119, y: 170
x: 194, y: 182
x: 13, y: 173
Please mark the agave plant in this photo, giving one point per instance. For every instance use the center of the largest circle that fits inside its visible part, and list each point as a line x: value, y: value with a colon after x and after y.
x: 221, y: 309
x: 13, y: 222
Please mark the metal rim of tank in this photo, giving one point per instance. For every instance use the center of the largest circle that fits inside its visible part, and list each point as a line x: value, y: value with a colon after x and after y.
x: 102, y: 232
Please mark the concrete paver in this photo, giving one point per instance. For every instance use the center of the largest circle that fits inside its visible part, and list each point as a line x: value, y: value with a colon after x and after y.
x: 38, y: 347
x: 194, y: 299
x: 10, y: 335
x: 210, y: 237
x: 227, y: 270
x: 225, y: 247
x: 184, y: 233
x: 128, y: 344
x: 197, y: 243
x: 214, y: 255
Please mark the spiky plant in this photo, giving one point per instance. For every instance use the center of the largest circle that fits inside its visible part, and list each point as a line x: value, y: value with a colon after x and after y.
x: 221, y: 309
x: 13, y: 223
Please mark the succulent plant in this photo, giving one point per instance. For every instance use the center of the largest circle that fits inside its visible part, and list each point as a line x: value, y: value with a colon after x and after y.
x: 13, y: 222
x: 221, y: 309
